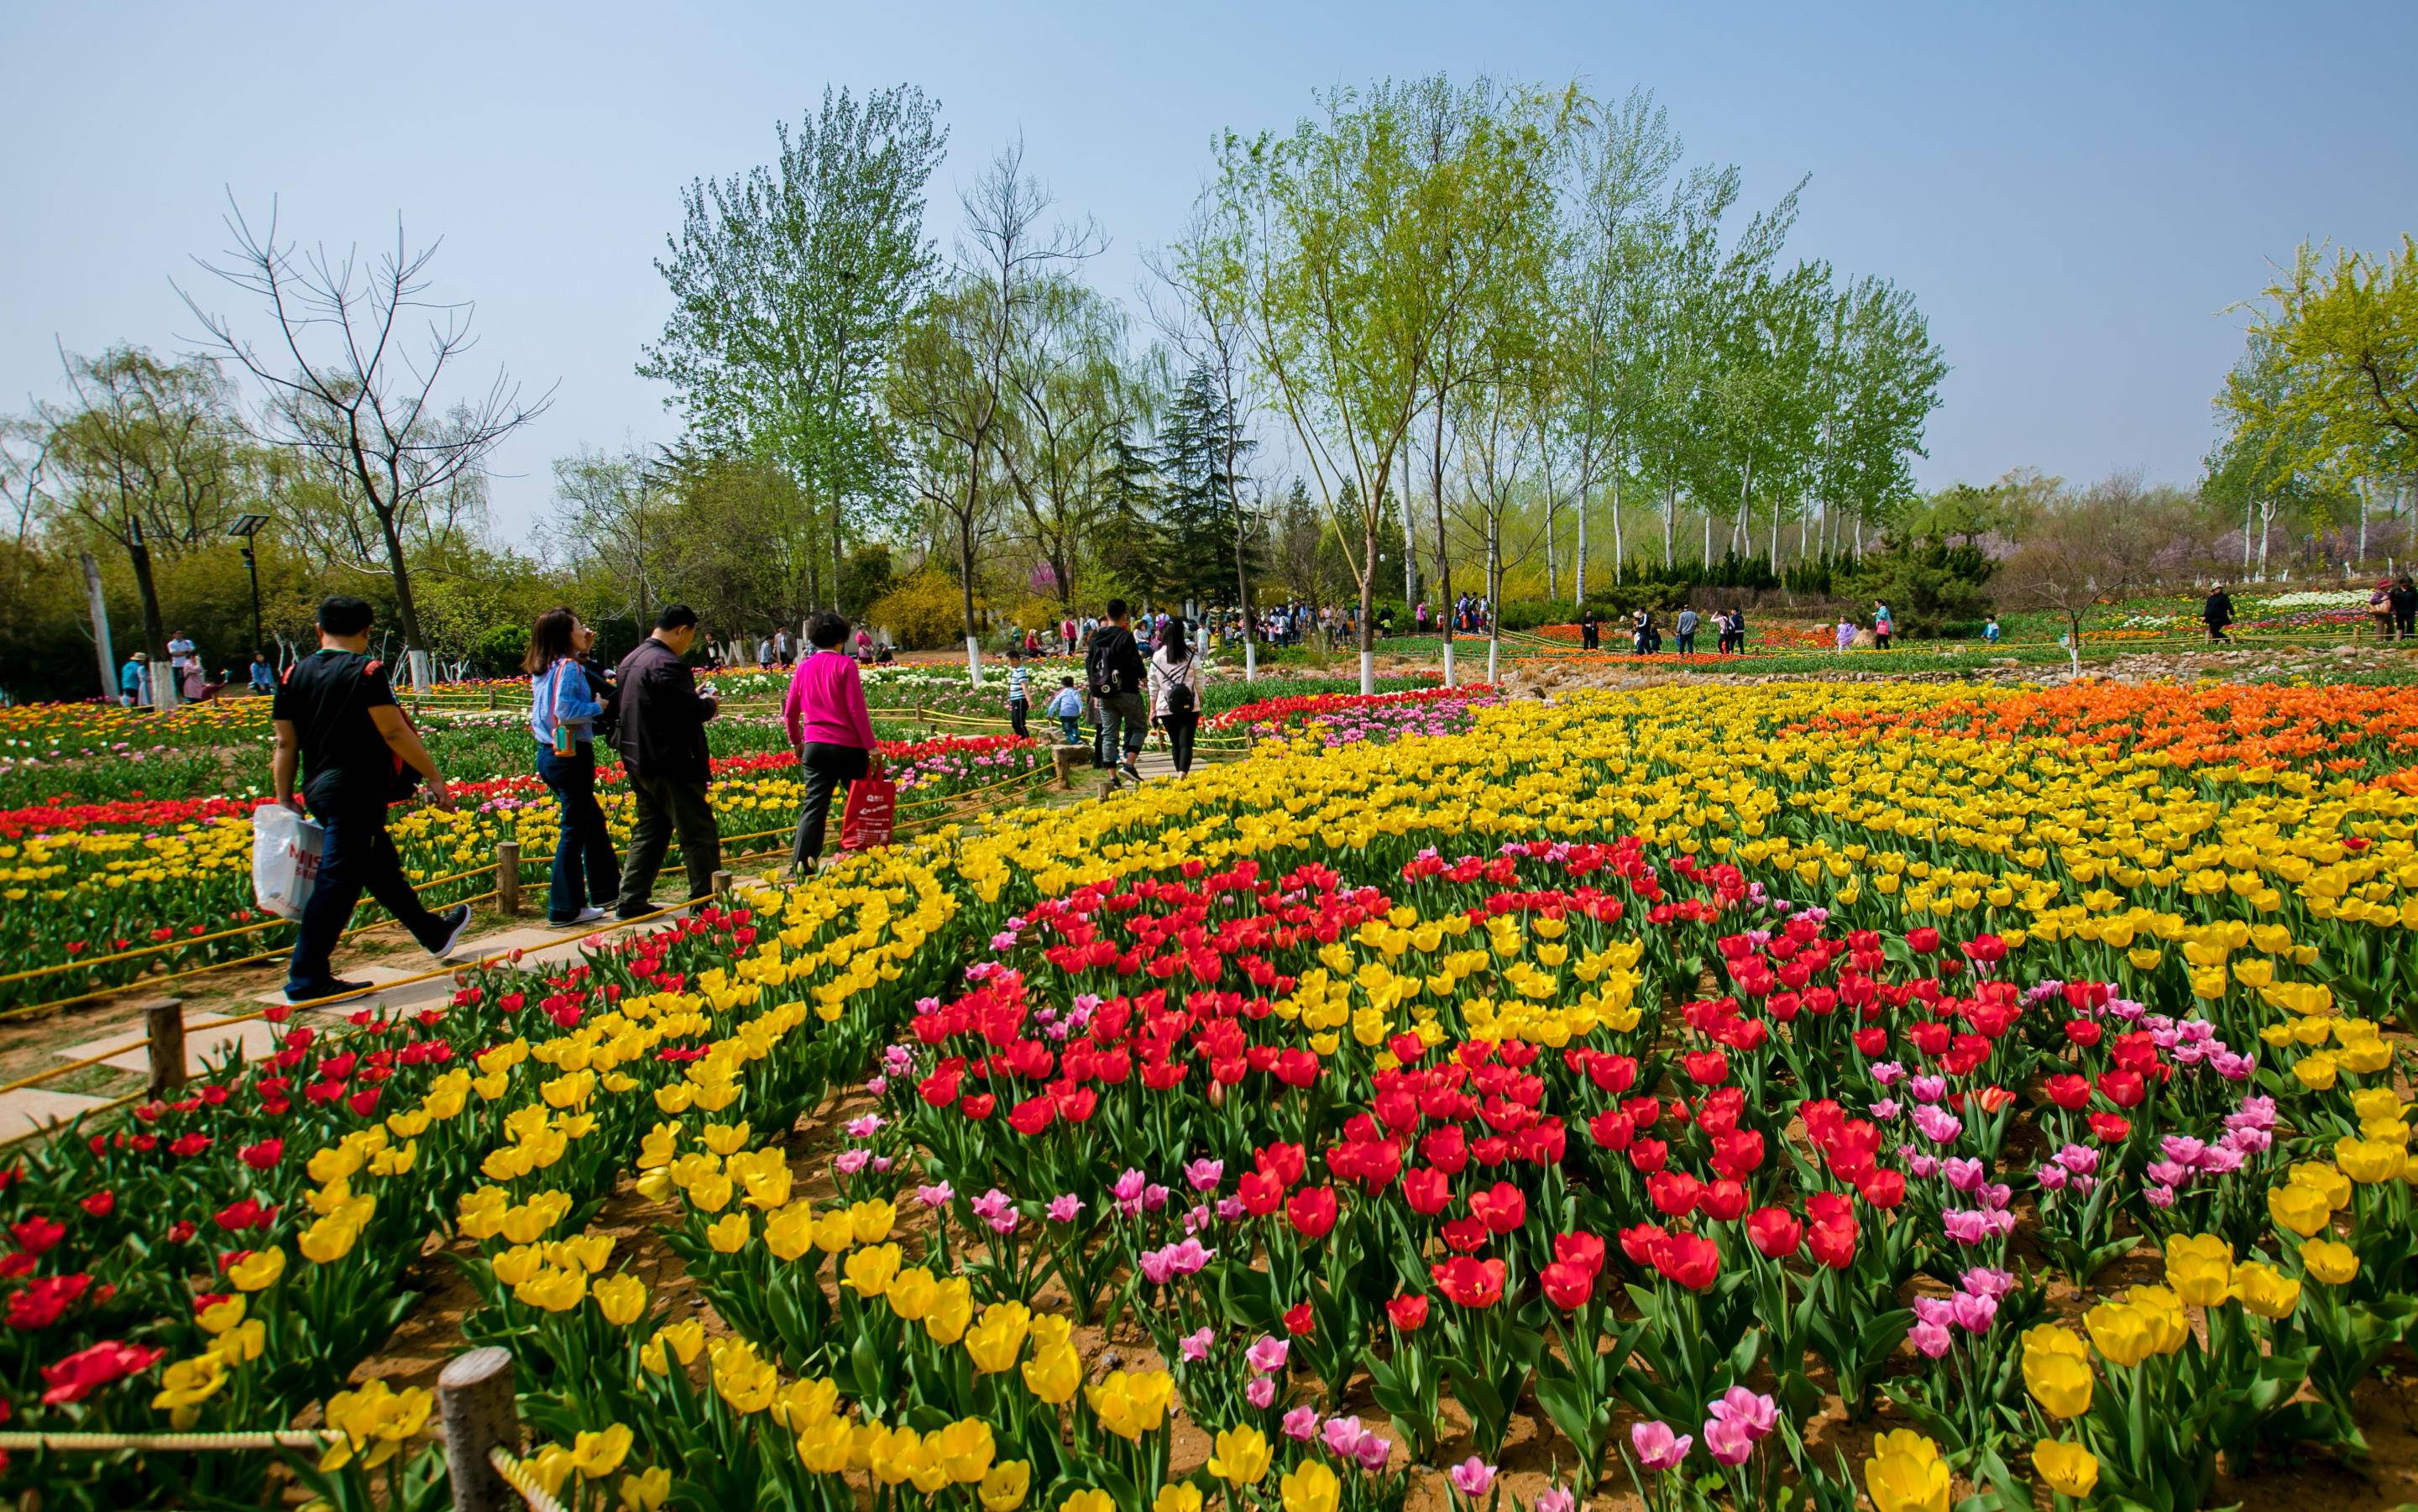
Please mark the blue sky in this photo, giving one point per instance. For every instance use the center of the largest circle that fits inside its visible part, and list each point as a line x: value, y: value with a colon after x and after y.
x: 2075, y: 193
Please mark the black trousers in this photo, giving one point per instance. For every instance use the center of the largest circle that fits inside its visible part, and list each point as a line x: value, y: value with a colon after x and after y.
x: 1016, y: 710
x: 827, y: 769
x: 665, y: 808
x: 357, y: 855
x: 585, y: 870
x: 1181, y: 729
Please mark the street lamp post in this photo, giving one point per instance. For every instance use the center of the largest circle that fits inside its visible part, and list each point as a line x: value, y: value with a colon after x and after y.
x: 244, y: 529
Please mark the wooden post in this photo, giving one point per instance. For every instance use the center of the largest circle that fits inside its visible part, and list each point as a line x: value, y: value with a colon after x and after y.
x: 508, y: 876
x: 164, y: 1020
x: 721, y: 883
x: 475, y: 1404
x: 491, y: 697
x: 1062, y: 758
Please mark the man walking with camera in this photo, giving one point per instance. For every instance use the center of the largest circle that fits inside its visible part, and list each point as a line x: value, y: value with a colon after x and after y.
x: 661, y: 737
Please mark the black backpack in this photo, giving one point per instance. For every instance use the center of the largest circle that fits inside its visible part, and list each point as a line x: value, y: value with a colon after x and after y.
x: 1178, y: 695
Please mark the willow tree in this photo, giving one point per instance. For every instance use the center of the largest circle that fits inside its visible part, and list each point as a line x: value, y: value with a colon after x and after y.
x: 1332, y: 232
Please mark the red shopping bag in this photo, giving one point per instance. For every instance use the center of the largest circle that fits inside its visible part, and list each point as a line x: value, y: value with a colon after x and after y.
x: 872, y: 810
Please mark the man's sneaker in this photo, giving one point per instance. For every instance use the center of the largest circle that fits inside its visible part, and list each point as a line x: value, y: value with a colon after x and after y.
x: 587, y: 915
x: 317, y: 990
x: 455, y: 921
x: 1131, y: 772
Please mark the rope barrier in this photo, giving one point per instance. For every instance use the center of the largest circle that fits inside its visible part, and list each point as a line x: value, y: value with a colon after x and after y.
x: 523, y: 1483
x: 270, y: 1439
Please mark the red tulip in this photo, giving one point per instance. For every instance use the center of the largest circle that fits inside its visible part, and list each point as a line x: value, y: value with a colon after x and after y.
x: 1774, y: 1231
x: 1674, y: 1193
x: 1259, y: 1192
x: 1408, y: 1312
x: 1723, y: 1200
x: 2110, y: 1128
x: 1312, y: 1212
x: 1469, y: 1282
x: 1583, y: 1250
x: 1427, y: 1190
x: 1567, y: 1286
x: 264, y: 1156
x: 85, y: 1371
x: 1032, y: 1115
x: 1298, y: 1319
x: 1690, y: 1260
x: 1501, y: 1207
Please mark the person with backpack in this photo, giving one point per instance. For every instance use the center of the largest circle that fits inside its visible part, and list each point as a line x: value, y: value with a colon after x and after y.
x: 1116, y: 674
x: 1882, y: 626
x: 1686, y: 625
x: 563, y: 711
x: 661, y: 737
x: 344, y: 754
x: 1175, y: 694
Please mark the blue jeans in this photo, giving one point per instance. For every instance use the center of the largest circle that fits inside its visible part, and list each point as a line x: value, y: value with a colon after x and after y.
x: 585, y: 870
x: 1071, y: 726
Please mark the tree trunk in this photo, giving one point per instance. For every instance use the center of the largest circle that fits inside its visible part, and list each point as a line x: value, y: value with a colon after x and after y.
x: 2249, y: 505
x: 1577, y: 570
x: 1670, y: 523
x: 1552, y: 575
x: 1444, y: 552
x: 164, y: 691
x: 1494, y: 597
x: 1740, y: 541
x: 1619, y: 542
x: 1367, y: 597
x: 2266, y: 527
x: 966, y: 587
x: 1241, y: 576
x: 1410, y: 538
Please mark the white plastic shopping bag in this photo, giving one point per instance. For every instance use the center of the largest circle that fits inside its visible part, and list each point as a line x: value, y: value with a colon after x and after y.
x: 285, y: 849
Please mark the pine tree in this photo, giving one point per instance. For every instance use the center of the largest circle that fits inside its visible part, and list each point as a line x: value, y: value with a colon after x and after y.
x: 1197, y: 509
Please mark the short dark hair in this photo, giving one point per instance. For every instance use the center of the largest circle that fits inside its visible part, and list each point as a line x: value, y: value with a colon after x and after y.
x: 826, y: 629
x: 1066, y: 682
x: 1016, y: 654
x: 1116, y: 608
x: 676, y: 616
x: 341, y: 613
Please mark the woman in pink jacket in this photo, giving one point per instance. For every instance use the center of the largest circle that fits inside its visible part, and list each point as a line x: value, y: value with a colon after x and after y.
x: 826, y: 722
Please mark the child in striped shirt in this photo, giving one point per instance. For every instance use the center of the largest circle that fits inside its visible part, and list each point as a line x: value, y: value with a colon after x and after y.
x: 1018, y: 702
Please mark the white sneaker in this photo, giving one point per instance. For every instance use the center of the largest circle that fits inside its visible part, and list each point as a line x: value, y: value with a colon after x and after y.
x: 587, y: 915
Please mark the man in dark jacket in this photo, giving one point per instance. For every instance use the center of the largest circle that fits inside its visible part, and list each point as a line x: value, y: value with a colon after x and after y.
x: 2217, y: 613
x: 1116, y: 673
x: 2402, y: 600
x: 661, y: 736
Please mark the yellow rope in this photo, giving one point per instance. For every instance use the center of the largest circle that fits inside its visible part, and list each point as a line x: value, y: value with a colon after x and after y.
x: 517, y: 1476
x: 277, y: 1438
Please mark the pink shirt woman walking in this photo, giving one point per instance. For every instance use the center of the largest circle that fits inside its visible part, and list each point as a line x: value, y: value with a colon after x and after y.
x: 825, y: 716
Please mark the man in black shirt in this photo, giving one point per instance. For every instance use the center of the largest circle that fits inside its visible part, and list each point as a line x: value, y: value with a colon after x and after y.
x: 1116, y: 672
x: 659, y: 732
x: 337, y: 721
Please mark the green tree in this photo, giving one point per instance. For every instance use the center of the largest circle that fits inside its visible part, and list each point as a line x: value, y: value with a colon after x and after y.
x: 1201, y: 525
x: 788, y: 286
x: 151, y: 458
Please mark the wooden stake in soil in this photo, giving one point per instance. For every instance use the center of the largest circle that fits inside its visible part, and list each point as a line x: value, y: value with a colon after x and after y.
x: 475, y: 1403
x: 163, y: 1021
x: 508, y: 876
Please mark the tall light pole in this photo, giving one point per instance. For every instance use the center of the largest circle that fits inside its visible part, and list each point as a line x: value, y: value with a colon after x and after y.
x: 244, y: 529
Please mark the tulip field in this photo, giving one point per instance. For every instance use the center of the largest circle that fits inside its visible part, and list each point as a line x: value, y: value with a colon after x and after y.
x: 1777, y: 1096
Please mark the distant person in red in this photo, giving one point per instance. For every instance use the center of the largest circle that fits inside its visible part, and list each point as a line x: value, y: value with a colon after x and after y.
x: 830, y: 728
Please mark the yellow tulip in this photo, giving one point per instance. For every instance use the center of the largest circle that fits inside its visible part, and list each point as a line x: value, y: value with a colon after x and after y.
x: 1177, y: 1496
x: 1003, y: 1489
x: 741, y: 1379
x: 952, y: 1310
x: 729, y: 1233
x: 869, y: 1272
x: 789, y: 1231
x: 646, y: 1491
x: 597, y: 1455
x: 2069, y: 1469
x: 684, y: 1339
x: 257, y: 1271
x: 2057, y: 1381
x: 1087, y: 1500
x: 833, y: 1232
x: 553, y: 1290
x: 1241, y: 1457
x: 2201, y: 1269
x: 1130, y: 1403
x: 998, y: 1335
x: 2124, y: 1336
x: 2264, y: 1291
x: 220, y: 1316
x: 2169, y: 1325
x: 1906, y: 1473
x: 2368, y: 1161
x: 2302, y: 1209
x: 871, y: 1221
x: 1053, y: 1373
x: 1310, y: 1486
x: 621, y: 1299
x: 912, y: 1293
x: 2324, y: 1179
x: 964, y: 1449
x: 2330, y: 1260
